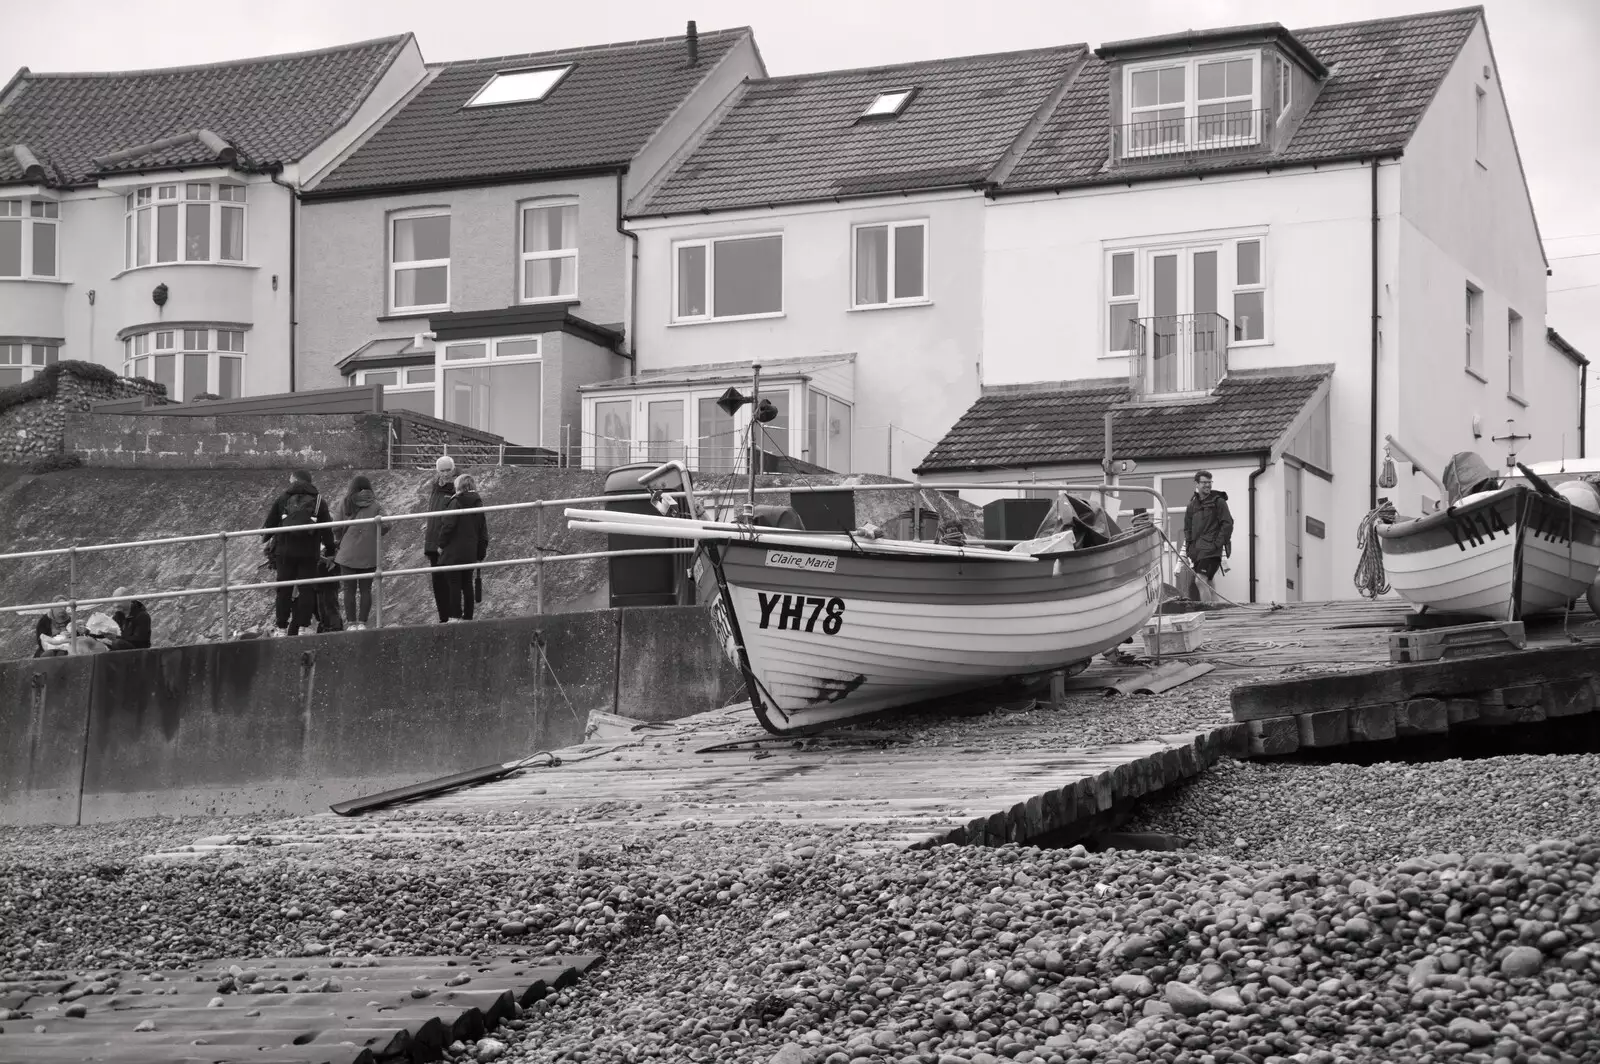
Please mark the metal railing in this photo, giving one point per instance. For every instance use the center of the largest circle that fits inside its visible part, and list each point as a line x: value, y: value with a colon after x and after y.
x: 723, y: 499
x: 1187, y: 136
x: 1178, y: 353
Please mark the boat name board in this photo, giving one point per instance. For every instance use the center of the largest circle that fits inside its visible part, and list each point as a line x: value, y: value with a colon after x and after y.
x: 809, y: 563
x: 791, y: 616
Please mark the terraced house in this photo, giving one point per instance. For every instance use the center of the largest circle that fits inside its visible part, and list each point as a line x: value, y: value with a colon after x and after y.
x: 148, y: 218
x: 1260, y: 252
x: 469, y: 255
x: 829, y: 227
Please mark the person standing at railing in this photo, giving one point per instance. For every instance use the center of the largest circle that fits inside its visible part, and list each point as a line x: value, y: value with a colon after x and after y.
x: 293, y: 548
x: 441, y: 490
x: 358, y: 549
x: 463, y: 539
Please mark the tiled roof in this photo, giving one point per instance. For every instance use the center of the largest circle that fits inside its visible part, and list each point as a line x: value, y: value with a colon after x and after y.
x: 271, y: 110
x: 1383, y: 74
x: 1031, y: 426
x: 793, y: 139
x: 600, y: 114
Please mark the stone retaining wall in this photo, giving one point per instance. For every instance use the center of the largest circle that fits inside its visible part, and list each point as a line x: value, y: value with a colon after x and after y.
x: 34, y: 415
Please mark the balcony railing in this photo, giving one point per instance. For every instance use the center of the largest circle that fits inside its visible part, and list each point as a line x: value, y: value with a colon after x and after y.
x: 1186, y: 137
x: 1175, y: 353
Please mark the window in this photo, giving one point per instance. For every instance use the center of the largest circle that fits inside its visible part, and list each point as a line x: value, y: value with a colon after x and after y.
x: 683, y: 423
x: 419, y: 269
x: 22, y: 361
x: 496, y: 386
x: 1514, y: 354
x: 888, y: 104
x: 1475, y: 332
x: 828, y: 432
x: 195, y: 221
x: 1197, y: 103
x: 518, y: 86
x: 1480, y: 123
x: 1285, y: 85
x: 406, y: 388
x: 613, y: 430
x: 549, y: 251
x: 190, y: 362
x: 1170, y: 292
x: 891, y: 264
x: 28, y: 238
x: 734, y: 277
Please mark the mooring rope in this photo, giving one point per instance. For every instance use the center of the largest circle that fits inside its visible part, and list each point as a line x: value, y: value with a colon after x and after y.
x: 1370, y: 579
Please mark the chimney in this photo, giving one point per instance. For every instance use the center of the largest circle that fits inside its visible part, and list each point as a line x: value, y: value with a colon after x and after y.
x: 694, y: 44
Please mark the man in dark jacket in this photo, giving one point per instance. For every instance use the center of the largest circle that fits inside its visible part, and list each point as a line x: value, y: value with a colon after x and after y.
x: 463, y: 539
x: 133, y: 620
x: 1207, y: 531
x: 293, y: 548
x: 440, y: 492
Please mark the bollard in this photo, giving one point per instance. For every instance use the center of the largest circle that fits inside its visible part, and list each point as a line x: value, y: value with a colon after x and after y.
x: 377, y: 575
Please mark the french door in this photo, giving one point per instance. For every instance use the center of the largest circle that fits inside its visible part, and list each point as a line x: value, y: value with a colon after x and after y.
x: 1185, y: 331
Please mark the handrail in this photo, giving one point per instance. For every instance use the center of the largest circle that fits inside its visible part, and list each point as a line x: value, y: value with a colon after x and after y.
x: 227, y: 588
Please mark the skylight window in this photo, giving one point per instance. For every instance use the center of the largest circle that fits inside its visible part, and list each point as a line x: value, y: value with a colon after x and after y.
x: 888, y: 104
x: 518, y: 86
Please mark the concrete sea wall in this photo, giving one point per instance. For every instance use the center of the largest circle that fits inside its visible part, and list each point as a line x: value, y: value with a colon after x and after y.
x: 291, y: 725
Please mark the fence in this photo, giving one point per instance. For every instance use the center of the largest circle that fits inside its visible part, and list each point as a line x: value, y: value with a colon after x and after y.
x: 539, y: 559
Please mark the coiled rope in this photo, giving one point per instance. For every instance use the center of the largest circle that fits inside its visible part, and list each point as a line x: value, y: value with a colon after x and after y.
x: 1370, y: 579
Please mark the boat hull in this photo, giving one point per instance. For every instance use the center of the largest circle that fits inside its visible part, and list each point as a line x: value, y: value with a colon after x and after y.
x: 1504, y: 554
x: 826, y: 636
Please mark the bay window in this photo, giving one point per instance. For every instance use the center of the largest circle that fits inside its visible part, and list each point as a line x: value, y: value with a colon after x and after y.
x: 189, y: 361
x: 496, y: 385
x: 729, y: 277
x: 188, y: 221
x: 20, y: 361
x: 891, y: 264
x: 28, y: 238
x: 419, y: 261
x: 549, y: 251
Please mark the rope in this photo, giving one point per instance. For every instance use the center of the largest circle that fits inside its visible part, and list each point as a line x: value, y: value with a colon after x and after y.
x: 1370, y: 579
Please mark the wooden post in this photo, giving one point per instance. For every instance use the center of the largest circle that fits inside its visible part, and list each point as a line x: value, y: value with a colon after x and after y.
x: 1058, y: 689
x: 227, y: 627
x: 888, y: 467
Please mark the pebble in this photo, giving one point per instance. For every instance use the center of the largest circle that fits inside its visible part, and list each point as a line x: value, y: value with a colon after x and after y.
x: 1522, y: 962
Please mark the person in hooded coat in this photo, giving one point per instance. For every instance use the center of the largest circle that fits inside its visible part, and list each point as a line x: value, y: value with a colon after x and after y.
x: 440, y: 489
x: 133, y: 622
x: 359, y: 546
x: 298, y: 522
x: 463, y: 540
x: 1207, y: 531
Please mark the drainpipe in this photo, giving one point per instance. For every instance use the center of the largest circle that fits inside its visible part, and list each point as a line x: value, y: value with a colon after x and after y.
x: 1583, y: 408
x: 632, y: 353
x: 1372, y: 434
x: 294, y: 217
x: 1265, y: 455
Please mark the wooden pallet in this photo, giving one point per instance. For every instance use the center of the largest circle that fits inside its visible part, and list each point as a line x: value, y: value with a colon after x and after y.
x: 1457, y: 641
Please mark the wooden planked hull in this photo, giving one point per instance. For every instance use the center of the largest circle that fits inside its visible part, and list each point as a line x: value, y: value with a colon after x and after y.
x: 826, y: 636
x: 1508, y: 554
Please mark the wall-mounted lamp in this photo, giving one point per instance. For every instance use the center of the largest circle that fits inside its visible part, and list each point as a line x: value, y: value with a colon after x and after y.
x: 159, y: 296
x: 1477, y: 427
x: 274, y: 282
x: 91, y: 297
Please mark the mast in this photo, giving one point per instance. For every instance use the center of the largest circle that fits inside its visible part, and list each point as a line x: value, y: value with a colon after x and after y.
x: 755, y: 440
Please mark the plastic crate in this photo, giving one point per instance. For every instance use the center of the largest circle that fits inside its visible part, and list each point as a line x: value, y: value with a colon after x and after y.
x: 1180, y: 633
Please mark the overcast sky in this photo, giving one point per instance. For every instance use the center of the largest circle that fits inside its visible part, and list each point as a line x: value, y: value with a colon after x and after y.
x: 1548, y: 52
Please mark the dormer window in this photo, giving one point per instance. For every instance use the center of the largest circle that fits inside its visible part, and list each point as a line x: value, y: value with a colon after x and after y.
x: 1191, y: 105
x: 888, y: 104
x: 518, y: 86
x: 1285, y: 85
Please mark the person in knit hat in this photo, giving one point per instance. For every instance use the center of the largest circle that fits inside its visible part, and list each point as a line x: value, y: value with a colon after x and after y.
x: 441, y: 490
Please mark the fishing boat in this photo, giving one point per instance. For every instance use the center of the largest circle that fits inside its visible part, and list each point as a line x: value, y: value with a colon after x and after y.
x: 1498, y: 551
x: 831, y: 627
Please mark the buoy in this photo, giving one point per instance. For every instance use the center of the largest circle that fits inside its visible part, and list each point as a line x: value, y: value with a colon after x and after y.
x: 1581, y: 494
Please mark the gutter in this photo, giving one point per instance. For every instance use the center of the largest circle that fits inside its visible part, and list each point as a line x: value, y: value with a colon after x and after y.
x: 628, y: 339
x: 1372, y: 432
x: 294, y: 218
x: 1136, y: 177
x: 450, y: 183
x: 1265, y: 456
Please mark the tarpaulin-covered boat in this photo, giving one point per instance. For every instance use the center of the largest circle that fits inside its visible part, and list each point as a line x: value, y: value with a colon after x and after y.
x: 1501, y: 552
x: 828, y: 627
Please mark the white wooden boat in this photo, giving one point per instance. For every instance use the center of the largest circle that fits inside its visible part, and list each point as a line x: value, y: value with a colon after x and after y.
x: 827, y: 627
x: 1502, y: 555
